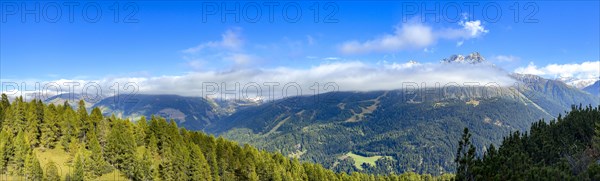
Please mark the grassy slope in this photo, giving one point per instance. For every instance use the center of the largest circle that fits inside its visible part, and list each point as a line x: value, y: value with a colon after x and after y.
x: 359, y: 160
x: 61, y: 159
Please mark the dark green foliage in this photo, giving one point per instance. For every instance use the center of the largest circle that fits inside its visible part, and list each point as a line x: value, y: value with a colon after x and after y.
x: 199, y: 112
x: 159, y: 150
x: 21, y: 150
x: 33, y: 169
x: 50, y: 128
x: 120, y: 147
x: 465, y: 157
x: 5, y: 150
x: 198, y: 168
x: 419, y: 136
x: 98, y: 164
x: 79, y: 166
x: 563, y: 149
x: 143, y: 166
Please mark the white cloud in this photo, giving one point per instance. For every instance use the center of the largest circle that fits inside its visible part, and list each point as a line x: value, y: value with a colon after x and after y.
x: 331, y: 58
x: 506, y: 58
x: 460, y: 43
x: 241, y: 59
x: 310, y: 40
x: 429, y: 50
x: 474, y: 28
x: 230, y: 50
x: 230, y: 39
x: 470, y: 29
x: 414, y: 35
x: 349, y: 76
x: 407, y: 36
x: 585, y: 70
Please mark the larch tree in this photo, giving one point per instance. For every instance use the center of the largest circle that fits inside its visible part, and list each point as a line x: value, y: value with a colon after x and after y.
x: 120, y: 148
x: 33, y: 169
x: 21, y: 150
x: 465, y: 157
x: 198, y: 168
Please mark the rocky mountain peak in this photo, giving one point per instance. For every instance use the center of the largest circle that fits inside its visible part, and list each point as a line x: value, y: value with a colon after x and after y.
x: 472, y: 58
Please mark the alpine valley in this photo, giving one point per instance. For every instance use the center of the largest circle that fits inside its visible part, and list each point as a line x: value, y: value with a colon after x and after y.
x: 381, y: 132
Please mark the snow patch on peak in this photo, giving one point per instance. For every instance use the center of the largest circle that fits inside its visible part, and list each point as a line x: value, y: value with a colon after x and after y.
x: 472, y: 58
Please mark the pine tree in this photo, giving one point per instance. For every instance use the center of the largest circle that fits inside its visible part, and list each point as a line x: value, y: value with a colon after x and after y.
x: 141, y: 128
x: 51, y: 173
x: 20, y: 153
x: 83, y: 123
x: 32, y: 132
x: 5, y: 150
x: 143, y: 166
x: 103, y: 129
x: 79, y: 166
x: 15, y: 119
x: 596, y: 138
x: 98, y: 164
x: 33, y: 170
x: 465, y: 157
x: 69, y: 128
x: 74, y: 147
x: 120, y: 148
x: 50, y: 130
x: 95, y: 118
x: 199, y: 168
x: 166, y: 166
x: 4, y: 102
x: 4, y: 105
x: 153, y: 145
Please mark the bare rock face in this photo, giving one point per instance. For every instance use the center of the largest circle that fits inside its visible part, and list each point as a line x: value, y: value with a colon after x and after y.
x: 473, y: 58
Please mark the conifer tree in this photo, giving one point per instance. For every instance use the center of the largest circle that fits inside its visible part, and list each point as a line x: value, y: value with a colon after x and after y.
x: 33, y: 170
x: 83, y: 122
x: 120, y: 148
x: 4, y: 105
x: 50, y: 130
x: 69, y: 128
x: 596, y: 138
x: 141, y: 128
x: 143, y: 166
x: 21, y: 150
x: 152, y: 145
x: 32, y: 132
x: 465, y: 157
x: 15, y: 119
x: 4, y: 102
x: 74, y: 147
x: 103, y: 130
x: 199, y: 168
x: 166, y: 166
x: 98, y: 164
x: 95, y: 118
x: 5, y: 150
x: 79, y: 166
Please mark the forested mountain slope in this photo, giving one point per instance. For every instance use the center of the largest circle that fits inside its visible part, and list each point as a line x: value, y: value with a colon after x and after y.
x: 408, y: 130
x: 193, y: 113
x: 56, y: 142
x: 566, y: 148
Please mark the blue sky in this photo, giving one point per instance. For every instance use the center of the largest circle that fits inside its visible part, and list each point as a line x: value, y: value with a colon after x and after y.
x: 159, y: 38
